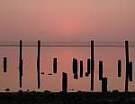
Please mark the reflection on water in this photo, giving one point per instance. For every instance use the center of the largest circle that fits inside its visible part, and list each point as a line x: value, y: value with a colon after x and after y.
x: 49, y: 81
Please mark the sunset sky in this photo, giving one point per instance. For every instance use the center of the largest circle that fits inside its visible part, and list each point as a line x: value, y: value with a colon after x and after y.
x: 65, y: 20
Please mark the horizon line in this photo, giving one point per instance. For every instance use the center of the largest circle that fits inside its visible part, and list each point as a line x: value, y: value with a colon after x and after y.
x: 66, y: 44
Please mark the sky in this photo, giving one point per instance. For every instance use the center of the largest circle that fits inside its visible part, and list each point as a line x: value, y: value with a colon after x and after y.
x: 65, y: 20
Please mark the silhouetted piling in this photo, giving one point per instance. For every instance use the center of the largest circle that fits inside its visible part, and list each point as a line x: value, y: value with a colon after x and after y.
x: 127, y: 65
x: 21, y: 73
x: 54, y: 65
x: 20, y: 65
x: 38, y: 64
x: 81, y: 69
x: 64, y: 82
x: 88, y: 68
x: 104, y: 84
x: 5, y: 64
x: 119, y: 68
x: 130, y: 74
x: 92, y: 65
x: 100, y: 70
x: 75, y: 68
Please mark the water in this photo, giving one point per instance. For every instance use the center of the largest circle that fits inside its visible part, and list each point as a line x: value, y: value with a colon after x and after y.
x: 109, y: 54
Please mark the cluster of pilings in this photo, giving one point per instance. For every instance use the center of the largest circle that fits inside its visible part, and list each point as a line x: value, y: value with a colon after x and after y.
x: 75, y: 68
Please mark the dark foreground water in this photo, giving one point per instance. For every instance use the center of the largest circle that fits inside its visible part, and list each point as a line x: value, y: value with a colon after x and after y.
x: 70, y: 98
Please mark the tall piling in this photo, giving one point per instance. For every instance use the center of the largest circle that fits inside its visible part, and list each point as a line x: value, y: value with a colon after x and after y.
x: 92, y: 65
x: 38, y: 64
x: 127, y: 64
x: 20, y: 65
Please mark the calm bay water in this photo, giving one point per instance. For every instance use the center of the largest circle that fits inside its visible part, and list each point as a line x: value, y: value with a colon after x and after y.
x: 110, y: 56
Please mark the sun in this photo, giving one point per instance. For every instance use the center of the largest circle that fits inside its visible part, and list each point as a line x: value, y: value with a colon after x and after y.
x: 68, y: 26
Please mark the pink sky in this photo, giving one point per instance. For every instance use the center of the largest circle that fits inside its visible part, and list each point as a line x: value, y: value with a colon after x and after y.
x: 67, y: 19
